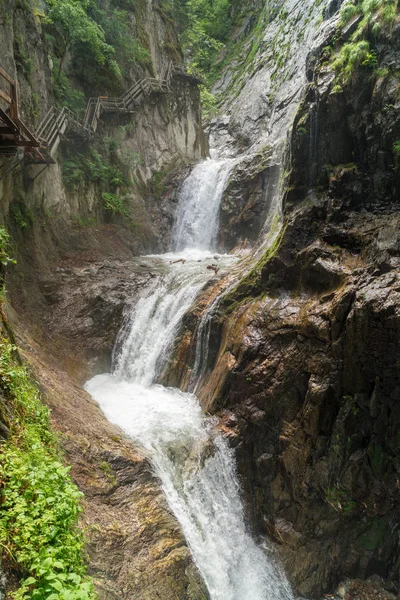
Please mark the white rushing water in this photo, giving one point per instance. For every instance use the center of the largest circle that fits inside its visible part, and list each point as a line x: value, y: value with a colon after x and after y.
x: 196, y: 224
x: 192, y: 459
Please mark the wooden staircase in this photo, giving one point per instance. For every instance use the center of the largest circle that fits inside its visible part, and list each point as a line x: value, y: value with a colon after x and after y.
x: 40, y: 147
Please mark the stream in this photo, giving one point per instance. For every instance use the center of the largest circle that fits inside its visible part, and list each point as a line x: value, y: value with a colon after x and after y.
x: 192, y: 459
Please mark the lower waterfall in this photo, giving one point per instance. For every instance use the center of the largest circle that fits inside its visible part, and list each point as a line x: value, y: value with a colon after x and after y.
x: 190, y: 456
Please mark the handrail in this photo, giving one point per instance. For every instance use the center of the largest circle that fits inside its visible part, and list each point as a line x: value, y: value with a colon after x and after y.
x: 11, y: 96
x: 56, y: 122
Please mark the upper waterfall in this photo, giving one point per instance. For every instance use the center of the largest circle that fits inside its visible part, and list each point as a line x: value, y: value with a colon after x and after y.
x: 197, y: 216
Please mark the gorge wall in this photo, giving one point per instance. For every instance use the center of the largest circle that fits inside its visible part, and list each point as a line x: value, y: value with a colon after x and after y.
x: 303, y: 351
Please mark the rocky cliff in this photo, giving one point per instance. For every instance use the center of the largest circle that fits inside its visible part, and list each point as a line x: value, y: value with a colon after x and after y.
x: 303, y: 357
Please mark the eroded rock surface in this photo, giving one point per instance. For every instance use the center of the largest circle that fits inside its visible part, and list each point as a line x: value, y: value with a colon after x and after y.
x: 303, y: 360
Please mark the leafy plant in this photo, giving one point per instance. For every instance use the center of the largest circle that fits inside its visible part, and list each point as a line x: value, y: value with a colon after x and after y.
x: 70, y: 24
x: 351, y: 56
x: 94, y: 167
x: 66, y: 92
x: 115, y: 204
x: 204, y: 25
x: 375, y: 16
x: 20, y: 215
x: 118, y: 33
x: 39, y: 503
x: 5, y: 258
x: 209, y: 101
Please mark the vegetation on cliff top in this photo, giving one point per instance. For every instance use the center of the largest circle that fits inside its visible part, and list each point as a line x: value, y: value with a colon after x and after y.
x: 94, y: 45
x: 204, y: 27
x: 370, y: 19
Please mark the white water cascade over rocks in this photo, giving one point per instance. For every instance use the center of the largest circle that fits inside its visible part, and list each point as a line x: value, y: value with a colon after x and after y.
x: 196, y: 223
x: 194, y: 462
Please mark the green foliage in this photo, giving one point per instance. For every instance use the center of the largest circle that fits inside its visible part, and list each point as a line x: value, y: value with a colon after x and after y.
x: 23, y: 62
x: 301, y: 130
x: 39, y: 503
x: 396, y: 148
x: 72, y: 27
x: 95, y: 167
x: 375, y: 16
x: 205, y: 25
x: 101, y: 41
x: 157, y: 182
x: 5, y: 258
x: 209, y: 101
x: 115, y: 204
x: 351, y: 56
x: 66, y: 93
x: 91, y: 167
x: 115, y: 23
x: 20, y: 215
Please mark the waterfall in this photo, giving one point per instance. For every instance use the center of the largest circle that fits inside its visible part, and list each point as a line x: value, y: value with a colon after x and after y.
x: 196, y: 224
x: 152, y: 324
x: 190, y: 456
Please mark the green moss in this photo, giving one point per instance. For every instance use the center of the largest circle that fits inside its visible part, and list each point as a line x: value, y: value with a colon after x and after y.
x: 250, y: 286
x: 375, y: 534
x: 340, y: 500
x: 301, y: 131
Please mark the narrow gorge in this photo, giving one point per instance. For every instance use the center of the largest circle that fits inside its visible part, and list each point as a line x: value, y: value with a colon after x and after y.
x: 200, y: 251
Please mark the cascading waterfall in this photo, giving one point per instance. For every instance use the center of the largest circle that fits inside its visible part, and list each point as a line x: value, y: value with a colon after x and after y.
x: 196, y: 223
x: 188, y: 453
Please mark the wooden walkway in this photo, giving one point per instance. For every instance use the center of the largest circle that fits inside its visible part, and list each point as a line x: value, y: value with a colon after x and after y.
x: 14, y: 133
x: 39, y: 147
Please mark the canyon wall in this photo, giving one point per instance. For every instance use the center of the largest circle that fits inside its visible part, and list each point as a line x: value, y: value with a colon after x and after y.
x: 302, y: 364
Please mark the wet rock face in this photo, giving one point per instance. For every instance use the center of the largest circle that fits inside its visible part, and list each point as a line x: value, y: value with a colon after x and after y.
x: 303, y: 365
x: 344, y: 141
x: 247, y: 200
x: 260, y: 91
x: 81, y: 309
x: 308, y: 388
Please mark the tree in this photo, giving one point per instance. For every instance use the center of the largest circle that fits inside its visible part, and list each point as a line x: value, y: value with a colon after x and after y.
x: 72, y: 25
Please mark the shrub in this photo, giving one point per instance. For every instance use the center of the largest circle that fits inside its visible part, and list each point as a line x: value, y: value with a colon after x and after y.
x: 376, y: 15
x: 39, y: 503
x: 115, y: 204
